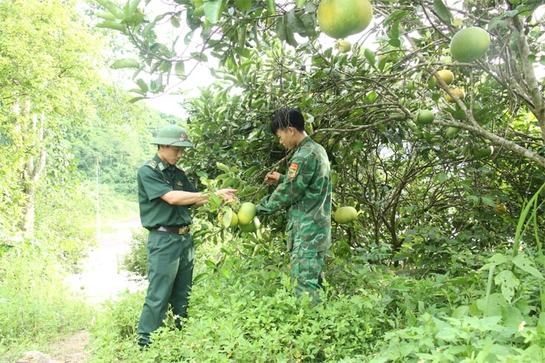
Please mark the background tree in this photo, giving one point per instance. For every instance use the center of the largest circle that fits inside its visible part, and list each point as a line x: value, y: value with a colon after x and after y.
x: 47, y: 61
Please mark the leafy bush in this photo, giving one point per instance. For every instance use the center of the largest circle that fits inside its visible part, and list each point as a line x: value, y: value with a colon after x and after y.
x: 243, y: 309
x: 135, y: 261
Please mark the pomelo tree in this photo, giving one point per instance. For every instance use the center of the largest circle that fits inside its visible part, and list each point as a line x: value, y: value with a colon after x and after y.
x: 425, y: 188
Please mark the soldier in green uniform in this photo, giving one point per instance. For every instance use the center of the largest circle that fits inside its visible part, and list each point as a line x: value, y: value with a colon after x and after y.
x: 165, y: 196
x: 305, y: 192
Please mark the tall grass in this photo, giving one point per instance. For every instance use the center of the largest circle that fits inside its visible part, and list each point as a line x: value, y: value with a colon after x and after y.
x: 35, y: 306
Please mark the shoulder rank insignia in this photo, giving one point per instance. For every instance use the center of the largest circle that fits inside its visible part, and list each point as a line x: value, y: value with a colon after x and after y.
x: 292, y: 171
x: 152, y: 164
x: 179, y: 183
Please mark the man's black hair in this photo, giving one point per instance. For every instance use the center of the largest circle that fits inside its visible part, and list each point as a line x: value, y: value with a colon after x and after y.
x: 286, y: 117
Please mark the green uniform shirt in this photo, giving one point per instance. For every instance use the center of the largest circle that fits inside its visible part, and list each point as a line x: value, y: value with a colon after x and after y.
x: 155, y: 179
x: 306, y: 193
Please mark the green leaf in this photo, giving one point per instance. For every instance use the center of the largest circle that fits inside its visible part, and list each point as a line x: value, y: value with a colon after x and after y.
x: 142, y: 84
x: 213, y: 10
x: 227, y: 216
x: 112, y: 8
x: 179, y: 69
x: 508, y: 283
x: 295, y: 23
x: 492, y: 305
x: 244, y: 5
x: 175, y: 22
x: 222, y: 167
x: 109, y: 24
x: 442, y: 11
x: 125, y: 63
x: 488, y: 201
x: 210, y: 263
x: 526, y: 265
x: 136, y: 99
x: 105, y: 15
x: 271, y: 7
x: 370, y: 56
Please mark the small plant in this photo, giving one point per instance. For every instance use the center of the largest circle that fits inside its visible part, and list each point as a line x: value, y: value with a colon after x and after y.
x: 135, y: 260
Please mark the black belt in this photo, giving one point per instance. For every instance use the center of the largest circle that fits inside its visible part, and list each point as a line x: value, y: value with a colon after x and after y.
x: 176, y: 230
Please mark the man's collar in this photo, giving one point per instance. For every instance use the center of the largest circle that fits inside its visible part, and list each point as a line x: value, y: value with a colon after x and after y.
x: 161, y: 165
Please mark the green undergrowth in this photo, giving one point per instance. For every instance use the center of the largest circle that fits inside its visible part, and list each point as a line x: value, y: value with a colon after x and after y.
x: 35, y: 306
x: 243, y: 310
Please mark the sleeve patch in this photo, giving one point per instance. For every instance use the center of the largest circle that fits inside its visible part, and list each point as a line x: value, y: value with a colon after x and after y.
x: 292, y: 171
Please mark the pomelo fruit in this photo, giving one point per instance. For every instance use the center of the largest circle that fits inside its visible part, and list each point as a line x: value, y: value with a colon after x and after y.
x: 345, y: 215
x: 424, y: 117
x: 234, y: 220
x: 452, y: 131
x: 446, y: 75
x: 479, y: 153
x: 341, y: 18
x: 252, y: 226
x: 500, y: 209
x: 469, y: 44
x: 458, y: 92
x: 246, y: 213
x: 227, y: 217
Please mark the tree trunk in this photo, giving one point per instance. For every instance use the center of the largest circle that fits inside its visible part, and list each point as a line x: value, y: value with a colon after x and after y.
x: 31, y: 173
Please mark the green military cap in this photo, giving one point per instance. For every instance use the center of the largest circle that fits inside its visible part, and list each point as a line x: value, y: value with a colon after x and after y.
x: 172, y: 135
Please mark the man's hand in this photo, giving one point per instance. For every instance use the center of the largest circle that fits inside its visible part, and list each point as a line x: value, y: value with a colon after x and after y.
x: 272, y: 177
x: 227, y: 194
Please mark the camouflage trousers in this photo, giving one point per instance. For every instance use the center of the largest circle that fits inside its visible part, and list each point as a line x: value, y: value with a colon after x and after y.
x: 307, y: 267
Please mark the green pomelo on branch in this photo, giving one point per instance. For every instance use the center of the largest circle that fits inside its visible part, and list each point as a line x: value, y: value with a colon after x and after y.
x: 341, y: 18
x: 479, y: 153
x: 252, y: 226
x: 345, y: 215
x: 446, y: 76
x: 469, y: 44
x: 425, y: 117
x: 458, y: 92
x: 246, y: 213
x: 452, y: 131
x: 234, y: 220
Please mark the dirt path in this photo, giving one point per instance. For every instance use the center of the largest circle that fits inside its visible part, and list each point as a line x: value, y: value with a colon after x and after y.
x: 101, y: 279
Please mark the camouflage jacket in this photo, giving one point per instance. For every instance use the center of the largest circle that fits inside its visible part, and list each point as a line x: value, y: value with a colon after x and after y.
x: 305, y: 191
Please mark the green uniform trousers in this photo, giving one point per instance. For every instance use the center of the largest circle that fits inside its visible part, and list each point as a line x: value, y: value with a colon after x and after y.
x: 307, y: 269
x: 170, y: 263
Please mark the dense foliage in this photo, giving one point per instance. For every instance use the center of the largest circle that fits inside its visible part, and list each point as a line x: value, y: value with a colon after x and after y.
x: 445, y: 220
x: 444, y: 262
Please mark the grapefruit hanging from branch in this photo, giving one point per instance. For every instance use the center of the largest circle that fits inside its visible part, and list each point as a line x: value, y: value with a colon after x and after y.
x: 469, y: 44
x: 341, y: 18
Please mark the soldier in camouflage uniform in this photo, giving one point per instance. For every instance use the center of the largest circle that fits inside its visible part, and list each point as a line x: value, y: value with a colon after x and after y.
x: 305, y: 191
x: 165, y: 195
